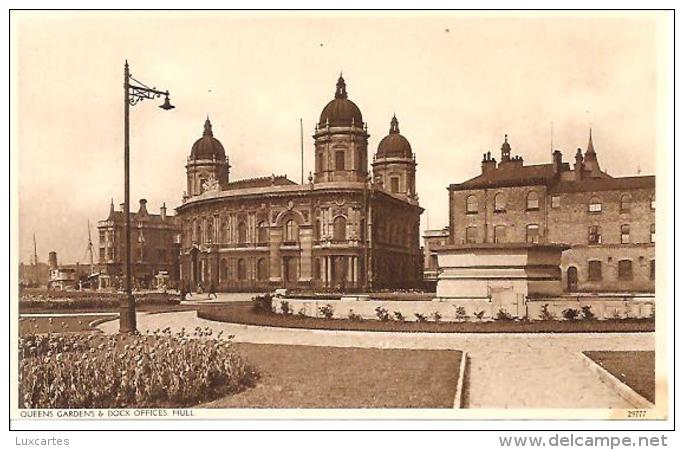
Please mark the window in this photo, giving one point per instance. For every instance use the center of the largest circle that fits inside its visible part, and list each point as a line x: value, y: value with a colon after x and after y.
x: 625, y: 269
x: 471, y: 205
x: 533, y: 234
x: 102, y: 254
x: 319, y: 163
x: 595, y: 272
x: 340, y: 229
x: 624, y: 234
x: 362, y: 234
x: 291, y: 232
x: 594, y: 234
x: 241, y: 269
x: 262, y: 232
x: 433, y: 264
x: 652, y: 274
x: 339, y: 160
x: 471, y: 235
x: 499, y: 202
x: 652, y: 233
x: 394, y: 184
x: 555, y: 201
x: 242, y: 233
x: 210, y: 232
x: 595, y: 205
x: 262, y: 269
x: 499, y: 234
x: 317, y: 230
x: 317, y: 269
x: 532, y: 201
x: 625, y: 203
x: 653, y: 201
x: 223, y: 271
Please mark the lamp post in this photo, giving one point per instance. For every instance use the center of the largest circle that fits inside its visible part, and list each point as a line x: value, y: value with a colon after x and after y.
x: 134, y: 92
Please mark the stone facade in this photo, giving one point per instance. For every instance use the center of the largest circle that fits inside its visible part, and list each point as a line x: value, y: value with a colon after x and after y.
x: 340, y: 231
x: 432, y: 239
x: 154, y: 247
x: 609, y: 222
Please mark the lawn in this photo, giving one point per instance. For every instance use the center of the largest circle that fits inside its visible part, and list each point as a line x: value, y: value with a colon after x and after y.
x: 242, y: 312
x: 293, y: 376
x: 70, y: 324
x: 634, y: 368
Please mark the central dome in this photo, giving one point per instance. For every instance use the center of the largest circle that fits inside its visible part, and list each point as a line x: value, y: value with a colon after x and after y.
x: 208, y: 147
x: 394, y: 145
x: 341, y: 111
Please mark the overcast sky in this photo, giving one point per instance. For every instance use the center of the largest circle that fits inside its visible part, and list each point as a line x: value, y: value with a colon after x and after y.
x: 457, y: 82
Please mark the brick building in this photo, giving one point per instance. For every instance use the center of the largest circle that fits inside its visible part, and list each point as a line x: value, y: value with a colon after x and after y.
x: 154, y: 247
x: 609, y: 222
x: 341, y: 230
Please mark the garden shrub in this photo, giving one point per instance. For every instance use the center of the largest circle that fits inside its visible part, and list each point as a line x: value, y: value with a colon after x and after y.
x: 502, y: 314
x: 353, y: 316
x: 479, y: 315
x: 65, y: 300
x: 421, y: 317
x: 382, y: 314
x: 587, y: 314
x: 571, y: 314
x: 263, y: 304
x: 436, y: 316
x: 545, y: 314
x: 285, y: 308
x: 301, y: 312
x: 326, y: 311
x: 398, y: 316
x: 460, y: 313
x: 124, y: 371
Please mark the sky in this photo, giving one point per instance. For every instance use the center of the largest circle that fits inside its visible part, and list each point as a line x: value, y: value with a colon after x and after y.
x: 457, y: 82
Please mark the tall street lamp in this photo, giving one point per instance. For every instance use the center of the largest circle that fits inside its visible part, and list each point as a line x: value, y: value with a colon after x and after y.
x: 134, y: 92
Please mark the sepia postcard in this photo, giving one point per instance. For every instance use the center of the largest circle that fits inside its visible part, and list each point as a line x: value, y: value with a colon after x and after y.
x: 340, y: 215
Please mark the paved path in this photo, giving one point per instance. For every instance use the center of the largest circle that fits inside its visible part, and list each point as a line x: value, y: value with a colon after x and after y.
x: 513, y: 370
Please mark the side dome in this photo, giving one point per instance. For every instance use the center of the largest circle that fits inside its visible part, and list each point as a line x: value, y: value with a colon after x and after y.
x: 208, y: 147
x: 341, y: 112
x: 394, y: 145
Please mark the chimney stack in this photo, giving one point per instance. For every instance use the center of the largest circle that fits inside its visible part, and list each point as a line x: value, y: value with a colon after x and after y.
x: 557, y: 162
x: 52, y: 260
x: 163, y: 211
x: 579, y: 164
x: 122, y: 206
x: 143, y: 207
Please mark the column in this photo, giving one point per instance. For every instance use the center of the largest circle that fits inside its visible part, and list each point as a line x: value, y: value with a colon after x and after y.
x: 276, y: 237
x: 328, y: 271
x: 355, y: 260
x: 305, y: 261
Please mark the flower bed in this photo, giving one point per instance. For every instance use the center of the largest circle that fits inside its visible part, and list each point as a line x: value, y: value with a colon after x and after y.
x: 129, y: 371
x: 40, y: 299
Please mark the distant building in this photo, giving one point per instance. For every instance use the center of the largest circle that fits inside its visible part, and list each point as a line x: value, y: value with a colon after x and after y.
x: 34, y: 274
x: 154, y: 247
x: 609, y: 222
x: 61, y: 277
x: 432, y: 239
x: 341, y: 230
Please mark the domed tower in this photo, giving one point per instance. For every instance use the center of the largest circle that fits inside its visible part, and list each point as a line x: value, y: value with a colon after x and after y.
x: 207, y: 167
x: 394, y: 164
x: 341, y: 140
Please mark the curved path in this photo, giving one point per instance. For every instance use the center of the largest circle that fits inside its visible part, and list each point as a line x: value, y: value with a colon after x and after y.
x: 511, y: 370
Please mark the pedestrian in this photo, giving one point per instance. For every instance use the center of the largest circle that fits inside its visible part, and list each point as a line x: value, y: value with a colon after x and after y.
x: 212, y: 291
x: 182, y: 293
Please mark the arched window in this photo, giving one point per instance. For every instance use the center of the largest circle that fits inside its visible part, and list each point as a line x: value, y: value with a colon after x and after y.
x: 262, y: 232
x: 394, y: 184
x: 210, y: 231
x: 340, y: 229
x: 471, y: 235
x: 262, y: 269
x: 533, y: 233
x: 195, y: 231
x: 595, y: 271
x: 595, y: 205
x: 471, y: 205
x: 499, y: 202
x: 624, y: 234
x: 223, y: 272
x: 242, y: 233
x: 532, y: 201
x: 625, y: 203
x: 241, y: 269
x: 339, y: 160
x: 291, y: 233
